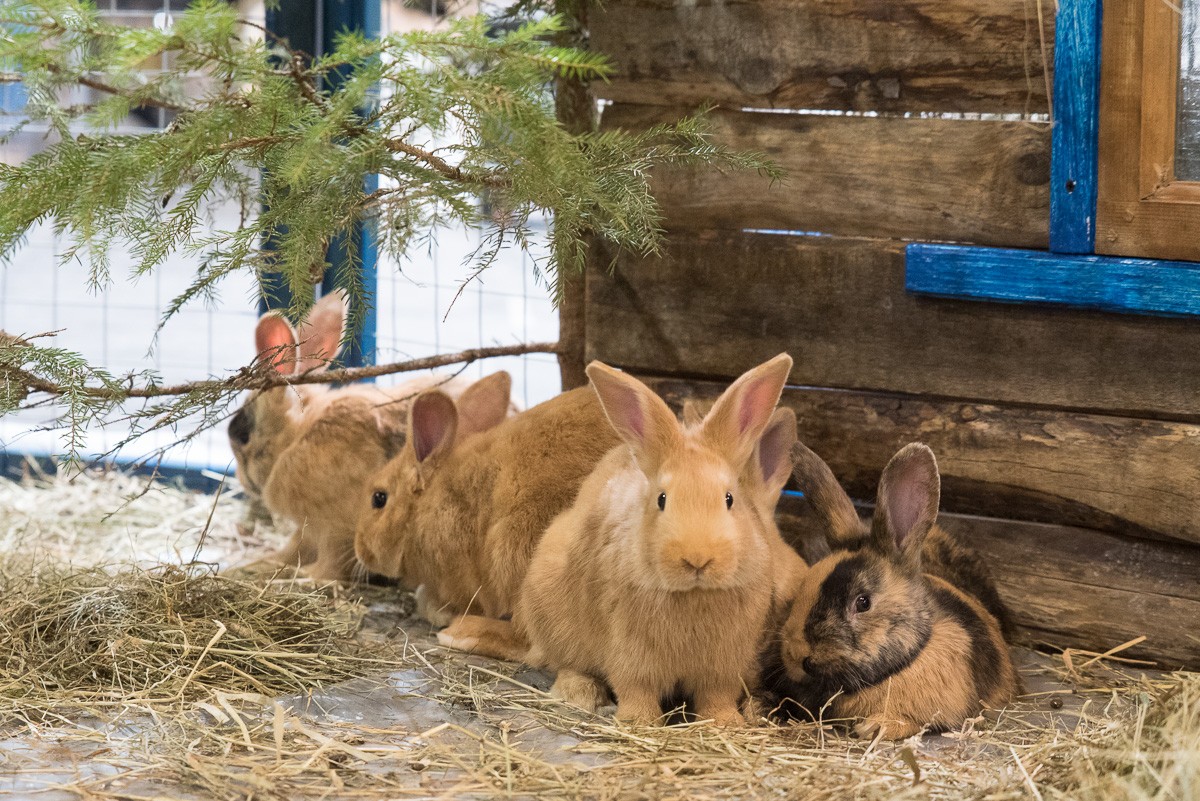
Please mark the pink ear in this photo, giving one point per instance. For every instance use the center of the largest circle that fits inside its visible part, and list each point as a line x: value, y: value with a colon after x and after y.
x: 322, y: 331
x: 275, y: 341
x: 432, y: 422
x: 484, y: 404
x: 775, y: 448
x: 741, y: 413
x: 637, y: 415
x: 907, y: 503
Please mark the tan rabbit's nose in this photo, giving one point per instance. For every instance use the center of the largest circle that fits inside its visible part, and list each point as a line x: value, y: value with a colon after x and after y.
x: 697, y: 563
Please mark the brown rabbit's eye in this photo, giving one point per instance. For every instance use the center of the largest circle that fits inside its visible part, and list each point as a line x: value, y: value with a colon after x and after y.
x: 662, y: 501
x: 379, y: 499
x: 862, y: 603
x: 728, y: 500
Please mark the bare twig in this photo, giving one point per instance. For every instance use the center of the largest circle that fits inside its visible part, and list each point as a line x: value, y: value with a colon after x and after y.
x: 443, y: 167
x: 259, y: 377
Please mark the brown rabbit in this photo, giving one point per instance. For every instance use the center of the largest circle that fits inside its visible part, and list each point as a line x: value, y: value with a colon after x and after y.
x: 658, y: 580
x: 875, y: 634
x: 304, y: 451
x: 461, y: 518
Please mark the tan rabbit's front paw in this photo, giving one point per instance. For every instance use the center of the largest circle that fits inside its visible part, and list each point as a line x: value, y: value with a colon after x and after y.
x: 431, y: 609
x: 892, y: 729
x: 721, y: 709
x: 728, y: 717
x: 484, y: 636
x: 638, y: 705
x: 579, y: 689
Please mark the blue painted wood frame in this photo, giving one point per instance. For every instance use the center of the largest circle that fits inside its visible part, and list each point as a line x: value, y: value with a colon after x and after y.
x: 312, y: 27
x: 1132, y: 286
x: 1067, y: 275
x: 1076, y: 115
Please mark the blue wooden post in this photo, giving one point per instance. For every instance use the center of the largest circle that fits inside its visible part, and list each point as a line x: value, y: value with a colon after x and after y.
x: 312, y: 27
x: 1076, y: 126
x: 364, y: 16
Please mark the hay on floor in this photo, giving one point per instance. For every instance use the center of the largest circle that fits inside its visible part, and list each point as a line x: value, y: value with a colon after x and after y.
x: 420, y: 722
x: 151, y: 637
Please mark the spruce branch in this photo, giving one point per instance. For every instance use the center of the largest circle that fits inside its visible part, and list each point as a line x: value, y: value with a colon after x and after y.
x: 444, y: 118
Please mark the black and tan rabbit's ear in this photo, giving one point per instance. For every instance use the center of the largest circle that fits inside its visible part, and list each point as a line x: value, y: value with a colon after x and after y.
x: 907, y: 503
x: 840, y: 521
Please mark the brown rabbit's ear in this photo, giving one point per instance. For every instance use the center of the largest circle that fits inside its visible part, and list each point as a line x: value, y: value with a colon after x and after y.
x: 907, y: 505
x: 842, y: 527
x: 741, y: 413
x: 275, y: 341
x: 432, y: 422
x: 639, y: 417
x: 485, y: 403
x: 322, y: 331
x: 773, y: 453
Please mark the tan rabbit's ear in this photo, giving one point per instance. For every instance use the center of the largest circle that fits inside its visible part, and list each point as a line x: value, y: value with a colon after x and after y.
x: 741, y: 413
x: 275, y: 341
x: 773, y: 453
x: 907, y: 504
x: 842, y: 527
x: 639, y: 417
x: 693, y: 412
x: 485, y: 403
x: 432, y: 422
x: 322, y: 331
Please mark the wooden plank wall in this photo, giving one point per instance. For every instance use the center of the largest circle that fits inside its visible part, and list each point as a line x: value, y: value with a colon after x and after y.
x: 1069, y: 440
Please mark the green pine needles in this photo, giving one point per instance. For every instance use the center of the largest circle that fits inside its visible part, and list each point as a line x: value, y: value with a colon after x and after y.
x: 442, y: 118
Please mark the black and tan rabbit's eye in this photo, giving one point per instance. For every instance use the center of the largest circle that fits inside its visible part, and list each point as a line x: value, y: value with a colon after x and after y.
x: 378, y: 499
x: 662, y: 501
x: 862, y: 603
x: 729, y: 500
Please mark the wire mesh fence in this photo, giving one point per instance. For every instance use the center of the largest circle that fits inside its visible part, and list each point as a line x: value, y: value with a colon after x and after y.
x: 423, y: 306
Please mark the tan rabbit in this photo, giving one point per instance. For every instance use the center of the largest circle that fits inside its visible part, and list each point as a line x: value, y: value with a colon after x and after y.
x: 461, y: 518
x: 761, y: 482
x: 899, y: 627
x: 658, y: 580
x: 304, y: 451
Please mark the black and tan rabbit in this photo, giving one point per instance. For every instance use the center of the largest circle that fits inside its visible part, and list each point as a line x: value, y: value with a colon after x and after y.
x: 899, y: 627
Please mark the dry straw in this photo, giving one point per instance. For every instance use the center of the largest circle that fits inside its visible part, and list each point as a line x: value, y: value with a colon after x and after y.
x: 152, y: 637
x: 173, y: 682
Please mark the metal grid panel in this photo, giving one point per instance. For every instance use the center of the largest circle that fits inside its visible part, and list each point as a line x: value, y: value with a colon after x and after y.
x: 114, y: 328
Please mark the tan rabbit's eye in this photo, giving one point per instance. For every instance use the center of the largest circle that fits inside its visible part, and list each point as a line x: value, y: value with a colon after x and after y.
x: 862, y: 603
x: 239, y: 427
x: 379, y: 499
x: 662, y: 501
x: 729, y: 500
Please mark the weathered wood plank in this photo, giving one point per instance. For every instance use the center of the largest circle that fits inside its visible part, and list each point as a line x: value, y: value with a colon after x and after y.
x: 922, y: 179
x: 1119, y: 474
x: 1073, y: 587
x: 716, y: 304
x: 1132, y: 286
x: 877, y: 55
